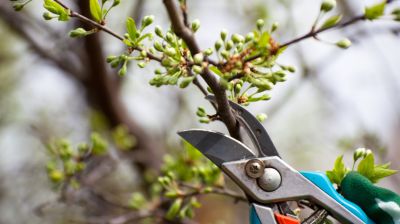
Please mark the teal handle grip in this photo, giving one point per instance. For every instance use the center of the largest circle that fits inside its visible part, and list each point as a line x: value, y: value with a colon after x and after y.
x: 322, y: 182
x: 253, y: 216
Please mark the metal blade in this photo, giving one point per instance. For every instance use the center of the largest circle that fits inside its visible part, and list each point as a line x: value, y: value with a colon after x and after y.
x: 254, y: 127
x: 217, y: 147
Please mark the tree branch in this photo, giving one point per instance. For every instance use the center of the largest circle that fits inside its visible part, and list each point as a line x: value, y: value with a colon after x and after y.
x: 224, y: 109
x: 314, y: 33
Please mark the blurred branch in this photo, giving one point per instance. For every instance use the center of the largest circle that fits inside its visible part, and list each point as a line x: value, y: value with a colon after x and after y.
x: 17, y: 24
x: 181, y: 30
x: 104, y: 91
x: 313, y: 33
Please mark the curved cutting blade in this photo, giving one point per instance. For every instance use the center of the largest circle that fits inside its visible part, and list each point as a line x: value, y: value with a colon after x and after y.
x: 263, y: 141
x: 217, y: 147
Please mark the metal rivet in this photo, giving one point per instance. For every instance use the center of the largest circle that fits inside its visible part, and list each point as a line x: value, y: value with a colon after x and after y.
x: 270, y: 180
x: 254, y: 168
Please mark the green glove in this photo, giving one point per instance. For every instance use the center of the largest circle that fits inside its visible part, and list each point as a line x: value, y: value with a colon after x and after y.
x: 380, y: 204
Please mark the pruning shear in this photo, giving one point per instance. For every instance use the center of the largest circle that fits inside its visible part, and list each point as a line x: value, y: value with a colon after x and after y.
x: 268, y: 181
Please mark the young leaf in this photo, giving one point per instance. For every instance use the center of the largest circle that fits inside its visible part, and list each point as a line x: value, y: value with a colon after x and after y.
x: 375, y: 11
x: 380, y: 173
x: 174, y: 209
x: 216, y: 70
x: 339, y: 171
x: 131, y: 28
x: 366, y: 166
x: 332, y: 21
x: 95, y: 10
x: 54, y: 7
x: 264, y: 40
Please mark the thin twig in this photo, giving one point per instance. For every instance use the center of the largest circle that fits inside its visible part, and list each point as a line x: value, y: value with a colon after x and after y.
x: 103, y: 28
x: 314, y: 33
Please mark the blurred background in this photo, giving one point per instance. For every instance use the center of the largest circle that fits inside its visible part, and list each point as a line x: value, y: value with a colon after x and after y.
x: 52, y: 86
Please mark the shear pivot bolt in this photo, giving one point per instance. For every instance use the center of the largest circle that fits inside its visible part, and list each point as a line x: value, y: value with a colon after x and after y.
x: 270, y: 180
x: 254, y: 168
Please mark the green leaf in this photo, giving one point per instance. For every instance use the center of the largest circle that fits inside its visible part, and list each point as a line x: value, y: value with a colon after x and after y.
x: 131, y: 28
x: 375, y: 11
x: 264, y: 40
x: 54, y: 7
x: 339, y: 171
x: 380, y: 173
x: 216, y: 70
x: 331, y: 21
x: 366, y: 166
x: 95, y: 10
x: 174, y: 209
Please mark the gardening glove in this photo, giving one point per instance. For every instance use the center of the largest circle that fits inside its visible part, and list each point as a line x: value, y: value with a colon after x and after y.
x: 380, y: 204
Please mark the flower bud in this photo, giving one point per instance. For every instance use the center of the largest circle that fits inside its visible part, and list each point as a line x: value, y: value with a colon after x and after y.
x: 224, y: 33
x: 18, y: 6
x: 249, y: 37
x: 56, y: 176
x: 218, y: 45
x: 197, y: 69
x: 170, y: 51
x: 147, y: 20
x: 261, y: 117
x: 111, y: 58
x: 236, y: 38
x: 78, y: 32
x: 345, y: 43
x: 158, y: 31
x: 328, y: 5
x: 291, y: 69
x: 141, y: 64
x: 274, y: 27
x: 367, y: 152
x: 169, y: 37
x: 123, y: 70
x: 208, y: 51
x: 260, y: 24
x: 359, y: 153
x: 158, y: 46
x: 229, y: 45
x: 198, y: 58
x: 195, y: 25
x: 115, y: 3
x: 47, y: 16
x: 186, y: 81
